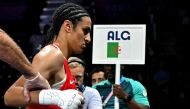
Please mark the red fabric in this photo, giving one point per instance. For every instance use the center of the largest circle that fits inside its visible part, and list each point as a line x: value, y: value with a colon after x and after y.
x: 67, y: 85
x: 70, y: 81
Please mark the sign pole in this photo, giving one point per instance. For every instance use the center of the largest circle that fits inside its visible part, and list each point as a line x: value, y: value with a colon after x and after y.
x: 117, y: 81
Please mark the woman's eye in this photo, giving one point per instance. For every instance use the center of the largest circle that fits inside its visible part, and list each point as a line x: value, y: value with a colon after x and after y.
x: 86, y: 31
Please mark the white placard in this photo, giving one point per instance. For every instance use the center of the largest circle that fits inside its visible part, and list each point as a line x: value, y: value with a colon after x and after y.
x: 124, y: 44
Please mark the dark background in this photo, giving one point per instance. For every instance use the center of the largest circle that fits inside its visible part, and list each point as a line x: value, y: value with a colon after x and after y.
x: 167, y: 23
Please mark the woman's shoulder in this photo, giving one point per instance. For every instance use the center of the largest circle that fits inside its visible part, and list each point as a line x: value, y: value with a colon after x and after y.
x: 49, y: 53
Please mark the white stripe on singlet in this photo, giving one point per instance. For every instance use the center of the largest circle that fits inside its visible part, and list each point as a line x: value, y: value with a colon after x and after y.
x: 59, y: 84
x: 55, y: 46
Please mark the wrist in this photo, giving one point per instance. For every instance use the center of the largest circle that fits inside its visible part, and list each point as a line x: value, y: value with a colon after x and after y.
x: 127, y: 98
x: 32, y: 77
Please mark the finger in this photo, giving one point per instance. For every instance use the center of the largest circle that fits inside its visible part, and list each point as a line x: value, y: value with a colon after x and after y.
x: 115, y: 86
x: 114, y: 89
x: 80, y: 93
x: 81, y: 98
x: 83, y: 101
x: 80, y: 106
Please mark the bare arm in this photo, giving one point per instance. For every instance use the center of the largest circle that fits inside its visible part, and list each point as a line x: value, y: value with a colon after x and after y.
x: 64, y: 99
x: 14, y: 96
x: 12, y: 54
x: 49, y: 65
x: 46, y: 63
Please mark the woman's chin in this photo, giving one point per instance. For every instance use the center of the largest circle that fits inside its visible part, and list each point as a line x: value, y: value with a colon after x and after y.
x: 79, y: 51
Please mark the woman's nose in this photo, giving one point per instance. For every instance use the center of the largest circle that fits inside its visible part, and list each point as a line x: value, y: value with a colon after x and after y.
x: 88, y: 38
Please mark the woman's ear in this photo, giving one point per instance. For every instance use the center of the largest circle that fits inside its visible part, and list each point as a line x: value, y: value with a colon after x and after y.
x: 68, y: 26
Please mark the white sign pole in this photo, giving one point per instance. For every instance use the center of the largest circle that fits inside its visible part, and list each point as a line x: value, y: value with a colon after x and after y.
x: 117, y: 81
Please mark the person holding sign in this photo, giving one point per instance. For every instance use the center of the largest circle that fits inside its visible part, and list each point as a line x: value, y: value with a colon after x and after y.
x: 131, y: 93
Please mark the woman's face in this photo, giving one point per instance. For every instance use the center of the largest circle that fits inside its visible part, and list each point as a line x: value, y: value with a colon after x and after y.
x: 80, y: 35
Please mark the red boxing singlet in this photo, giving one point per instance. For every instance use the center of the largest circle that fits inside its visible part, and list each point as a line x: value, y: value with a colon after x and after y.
x: 69, y: 84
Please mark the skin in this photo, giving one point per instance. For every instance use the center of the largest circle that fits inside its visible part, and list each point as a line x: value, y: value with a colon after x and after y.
x: 93, y: 100
x: 49, y: 61
x: 78, y: 73
x: 97, y: 77
x: 12, y: 54
x: 120, y: 93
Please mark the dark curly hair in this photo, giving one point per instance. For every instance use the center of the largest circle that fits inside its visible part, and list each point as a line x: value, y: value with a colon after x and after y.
x: 67, y: 11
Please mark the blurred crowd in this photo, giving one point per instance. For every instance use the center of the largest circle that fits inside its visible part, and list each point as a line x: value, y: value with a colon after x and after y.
x: 165, y: 73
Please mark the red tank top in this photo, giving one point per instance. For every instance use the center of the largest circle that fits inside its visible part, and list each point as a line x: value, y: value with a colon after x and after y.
x: 69, y: 84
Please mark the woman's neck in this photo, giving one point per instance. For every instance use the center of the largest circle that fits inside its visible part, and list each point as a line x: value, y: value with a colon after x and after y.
x: 63, y: 47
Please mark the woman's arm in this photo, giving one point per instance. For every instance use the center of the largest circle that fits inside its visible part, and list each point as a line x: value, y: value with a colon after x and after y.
x: 47, y: 64
x: 14, y: 96
x: 64, y: 99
